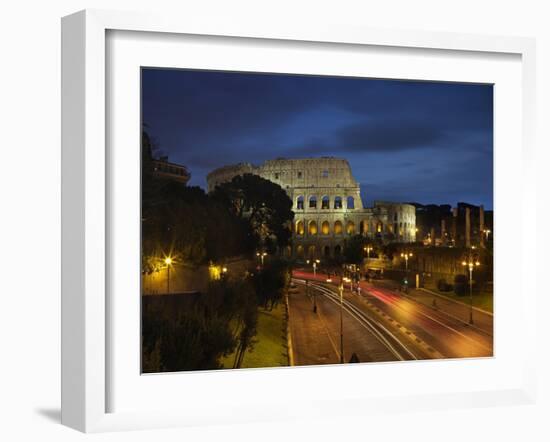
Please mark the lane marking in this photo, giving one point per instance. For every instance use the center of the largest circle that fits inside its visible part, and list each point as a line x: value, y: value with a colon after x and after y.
x: 366, y: 322
x: 441, y: 323
x: 402, y: 328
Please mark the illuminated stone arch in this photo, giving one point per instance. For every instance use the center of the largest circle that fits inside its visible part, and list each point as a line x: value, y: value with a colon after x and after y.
x: 300, y: 251
x: 338, y: 228
x: 325, y: 228
x: 350, y: 228
x: 312, y: 228
x: 311, y: 252
x: 300, y: 228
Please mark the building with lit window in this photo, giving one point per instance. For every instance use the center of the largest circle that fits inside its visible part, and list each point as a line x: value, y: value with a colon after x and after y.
x: 164, y: 169
x: 327, y: 204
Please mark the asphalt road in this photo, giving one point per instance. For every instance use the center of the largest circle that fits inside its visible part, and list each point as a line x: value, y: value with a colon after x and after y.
x: 400, y: 327
x: 316, y: 334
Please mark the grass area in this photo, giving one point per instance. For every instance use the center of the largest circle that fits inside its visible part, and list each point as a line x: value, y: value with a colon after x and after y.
x: 483, y: 300
x: 270, y: 350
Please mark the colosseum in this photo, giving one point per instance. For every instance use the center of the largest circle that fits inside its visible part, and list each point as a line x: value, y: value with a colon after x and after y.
x: 327, y: 204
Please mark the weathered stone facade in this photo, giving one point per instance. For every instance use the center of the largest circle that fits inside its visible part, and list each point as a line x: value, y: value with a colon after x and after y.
x: 327, y: 204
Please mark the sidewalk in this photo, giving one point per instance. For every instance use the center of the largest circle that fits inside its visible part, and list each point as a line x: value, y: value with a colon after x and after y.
x: 483, y: 320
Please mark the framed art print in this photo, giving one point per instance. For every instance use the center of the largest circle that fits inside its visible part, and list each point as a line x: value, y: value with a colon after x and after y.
x: 268, y: 222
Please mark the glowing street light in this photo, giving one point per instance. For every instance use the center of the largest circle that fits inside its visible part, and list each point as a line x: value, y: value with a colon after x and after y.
x: 261, y: 255
x: 168, y: 262
x: 368, y: 249
x: 406, y: 256
x: 487, y: 232
x: 471, y: 264
x: 315, y: 262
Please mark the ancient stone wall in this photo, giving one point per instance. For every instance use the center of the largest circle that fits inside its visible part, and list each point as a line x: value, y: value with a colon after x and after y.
x: 327, y: 204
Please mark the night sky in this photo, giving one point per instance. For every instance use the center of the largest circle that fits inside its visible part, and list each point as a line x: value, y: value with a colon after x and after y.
x: 405, y: 140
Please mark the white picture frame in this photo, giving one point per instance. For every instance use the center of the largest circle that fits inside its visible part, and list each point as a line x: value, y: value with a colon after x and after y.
x: 86, y: 353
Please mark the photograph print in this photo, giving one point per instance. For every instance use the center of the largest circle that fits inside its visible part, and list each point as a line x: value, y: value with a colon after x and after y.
x: 294, y: 220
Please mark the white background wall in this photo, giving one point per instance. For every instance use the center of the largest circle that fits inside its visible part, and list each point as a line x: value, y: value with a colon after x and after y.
x: 30, y: 217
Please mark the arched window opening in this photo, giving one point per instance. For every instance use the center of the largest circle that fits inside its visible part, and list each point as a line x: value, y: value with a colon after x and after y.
x: 327, y: 251
x: 350, y: 228
x: 300, y: 228
x: 300, y: 251
x: 313, y: 202
x: 338, y: 202
x: 300, y: 203
x: 338, y: 227
x: 350, y: 203
x: 325, y: 228
x: 325, y: 203
x: 337, y: 250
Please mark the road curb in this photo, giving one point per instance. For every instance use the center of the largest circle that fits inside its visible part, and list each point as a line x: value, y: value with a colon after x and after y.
x: 455, y: 301
x: 290, y: 350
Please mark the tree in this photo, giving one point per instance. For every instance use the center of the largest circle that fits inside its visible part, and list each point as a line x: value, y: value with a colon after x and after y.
x: 183, y: 221
x: 271, y: 282
x: 265, y: 205
x: 354, y: 249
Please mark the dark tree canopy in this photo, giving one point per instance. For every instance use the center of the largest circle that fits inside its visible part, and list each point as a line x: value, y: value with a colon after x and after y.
x: 264, y: 204
x: 184, y: 221
x: 353, y: 249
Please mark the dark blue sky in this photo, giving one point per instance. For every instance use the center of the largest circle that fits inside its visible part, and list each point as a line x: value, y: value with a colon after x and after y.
x: 405, y: 140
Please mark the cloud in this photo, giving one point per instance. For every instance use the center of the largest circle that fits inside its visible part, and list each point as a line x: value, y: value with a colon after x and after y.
x: 370, y: 135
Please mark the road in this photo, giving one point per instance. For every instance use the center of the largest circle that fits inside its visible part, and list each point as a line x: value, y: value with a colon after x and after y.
x: 379, y: 325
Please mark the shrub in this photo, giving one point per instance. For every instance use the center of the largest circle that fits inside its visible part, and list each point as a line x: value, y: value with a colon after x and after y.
x: 461, y: 285
x: 443, y: 286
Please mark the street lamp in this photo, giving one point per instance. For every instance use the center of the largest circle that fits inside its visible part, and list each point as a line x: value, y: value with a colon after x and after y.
x: 315, y: 262
x: 471, y: 264
x: 368, y: 249
x: 406, y: 256
x: 261, y: 255
x: 486, y: 231
x: 168, y: 262
x: 341, y: 289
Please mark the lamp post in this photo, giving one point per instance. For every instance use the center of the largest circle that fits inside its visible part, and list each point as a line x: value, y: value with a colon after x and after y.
x: 406, y: 256
x: 261, y: 255
x: 315, y: 262
x: 168, y: 262
x: 341, y: 289
x: 486, y: 231
x: 367, y: 249
x: 471, y: 264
